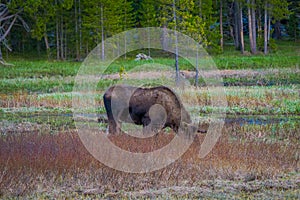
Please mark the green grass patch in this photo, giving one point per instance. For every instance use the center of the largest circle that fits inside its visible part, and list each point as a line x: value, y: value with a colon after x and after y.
x: 36, y: 85
x: 256, y: 62
x: 38, y: 69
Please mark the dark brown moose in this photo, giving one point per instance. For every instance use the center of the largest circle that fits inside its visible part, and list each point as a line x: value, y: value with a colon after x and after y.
x: 156, y: 106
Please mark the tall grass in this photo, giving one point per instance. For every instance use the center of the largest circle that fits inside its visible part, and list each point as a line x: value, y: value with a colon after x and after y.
x: 273, y: 100
x: 35, y: 163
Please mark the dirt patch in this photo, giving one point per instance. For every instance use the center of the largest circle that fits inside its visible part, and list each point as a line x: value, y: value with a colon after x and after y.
x: 214, y: 189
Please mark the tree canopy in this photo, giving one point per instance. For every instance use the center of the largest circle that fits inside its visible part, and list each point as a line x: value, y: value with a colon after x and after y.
x: 69, y: 29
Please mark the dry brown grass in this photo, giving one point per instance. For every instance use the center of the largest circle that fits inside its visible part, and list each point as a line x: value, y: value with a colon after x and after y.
x: 17, y: 100
x: 255, y: 100
x: 35, y: 163
x: 244, y: 97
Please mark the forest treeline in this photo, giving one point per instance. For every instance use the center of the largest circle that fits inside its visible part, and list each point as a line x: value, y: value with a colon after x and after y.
x: 70, y: 29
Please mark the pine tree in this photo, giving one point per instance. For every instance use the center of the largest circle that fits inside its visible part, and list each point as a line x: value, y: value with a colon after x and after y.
x: 293, y: 26
x: 148, y: 13
x: 252, y: 26
x: 106, y: 18
x: 148, y: 17
x: 206, y: 10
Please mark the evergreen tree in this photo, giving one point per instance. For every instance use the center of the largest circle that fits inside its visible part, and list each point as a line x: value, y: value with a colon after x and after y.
x: 71, y: 28
x: 207, y: 11
x: 148, y: 13
x: 293, y: 26
x: 194, y: 19
x: 148, y: 17
x: 105, y: 18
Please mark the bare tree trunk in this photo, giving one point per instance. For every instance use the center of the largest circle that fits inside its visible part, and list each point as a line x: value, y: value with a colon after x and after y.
x: 119, y: 46
x: 57, y: 35
x: 269, y: 27
x: 62, y: 39
x: 66, y: 44
x: 46, y: 42
x: 231, y: 33
x: 197, y: 68
x: 149, y: 41
x: 277, y: 31
x: 80, y: 29
x: 242, y: 45
x: 1, y: 55
x: 102, y: 35
x: 176, y: 44
x: 266, y: 30
x: 47, y: 45
x: 7, y: 31
x: 87, y: 48
x: 236, y: 26
x: 259, y: 24
x: 221, y: 25
x: 164, y: 38
x: 253, y: 26
x: 230, y: 20
x: 125, y: 44
x: 250, y: 27
x: 57, y: 40
x: 76, y: 31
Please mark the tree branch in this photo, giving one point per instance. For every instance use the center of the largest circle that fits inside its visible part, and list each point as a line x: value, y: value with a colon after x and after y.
x: 5, y: 11
x: 2, y: 62
x: 25, y: 25
x: 9, y: 28
x: 8, y: 17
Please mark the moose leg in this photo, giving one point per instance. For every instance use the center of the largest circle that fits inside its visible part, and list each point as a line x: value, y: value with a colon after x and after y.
x: 113, y: 124
x: 146, y: 125
x: 113, y: 127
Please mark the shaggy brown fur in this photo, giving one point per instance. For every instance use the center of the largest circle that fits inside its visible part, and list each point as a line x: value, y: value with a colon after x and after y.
x: 144, y: 106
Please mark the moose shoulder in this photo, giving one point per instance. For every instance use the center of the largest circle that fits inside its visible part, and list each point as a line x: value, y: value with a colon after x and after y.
x: 144, y: 106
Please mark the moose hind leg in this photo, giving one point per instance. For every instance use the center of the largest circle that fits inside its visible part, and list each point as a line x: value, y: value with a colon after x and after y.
x: 146, y: 121
x: 114, y: 127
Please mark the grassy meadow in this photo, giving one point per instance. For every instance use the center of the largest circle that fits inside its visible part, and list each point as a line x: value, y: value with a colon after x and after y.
x: 256, y: 157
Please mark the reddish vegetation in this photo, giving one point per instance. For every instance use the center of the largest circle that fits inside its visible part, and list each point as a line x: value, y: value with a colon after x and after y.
x: 35, y: 163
